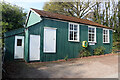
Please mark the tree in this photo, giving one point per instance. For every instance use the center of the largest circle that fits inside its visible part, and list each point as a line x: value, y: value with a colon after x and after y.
x: 13, y: 17
x: 106, y: 6
x: 118, y: 29
x: 76, y: 9
x: 118, y: 16
x: 96, y: 13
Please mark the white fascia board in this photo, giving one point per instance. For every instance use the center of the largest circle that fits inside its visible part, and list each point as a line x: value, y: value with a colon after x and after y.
x: 35, y: 12
x: 27, y: 18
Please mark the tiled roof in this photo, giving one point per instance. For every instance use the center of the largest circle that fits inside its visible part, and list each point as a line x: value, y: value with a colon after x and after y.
x: 67, y: 18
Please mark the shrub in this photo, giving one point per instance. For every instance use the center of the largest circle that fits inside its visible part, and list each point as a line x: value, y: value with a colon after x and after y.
x: 66, y: 58
x: 99, y: 50
x: 116, y: 47
x: 84, y: 53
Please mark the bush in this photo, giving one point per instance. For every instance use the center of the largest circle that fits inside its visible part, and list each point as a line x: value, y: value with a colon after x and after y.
x: 66, y: 58
x: 99, y: 50
x: 84, y: 53
x: 116, y: 47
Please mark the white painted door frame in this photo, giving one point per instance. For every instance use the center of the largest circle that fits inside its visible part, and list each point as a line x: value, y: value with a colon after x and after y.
x: 34, y: 47
x: 19, y: 47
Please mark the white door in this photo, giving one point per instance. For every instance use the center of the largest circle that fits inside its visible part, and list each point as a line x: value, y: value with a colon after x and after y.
x: 19, y: 47
x: 34, y: 47
x: 49, y: 40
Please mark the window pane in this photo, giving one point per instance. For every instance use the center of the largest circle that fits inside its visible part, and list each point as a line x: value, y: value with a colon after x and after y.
x: 19, y: 42
x: 103, y: 31
x: 75, y: 27
x: 93, y: 30
x: 71, y: 26
x: 89, y: 29
x: 106, y: 36
x: 71, y: 35
x: 75, y: 35
x: 103, y: 36
x: 104, y: 39
x: 90, y: 36
x: 90, y: 39
x: 106, y: 31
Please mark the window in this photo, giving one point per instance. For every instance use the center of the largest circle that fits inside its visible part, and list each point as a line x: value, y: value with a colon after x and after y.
x: 105, y: 36
x: 73, y: 32
x: 91, y: 34
x: 19, y: 42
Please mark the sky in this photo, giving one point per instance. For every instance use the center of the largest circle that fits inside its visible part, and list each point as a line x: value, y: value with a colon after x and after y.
x: 27, y: 4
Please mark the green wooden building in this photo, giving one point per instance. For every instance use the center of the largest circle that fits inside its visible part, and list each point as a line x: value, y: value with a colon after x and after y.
x: 10, y: 43
x: 50, y: 36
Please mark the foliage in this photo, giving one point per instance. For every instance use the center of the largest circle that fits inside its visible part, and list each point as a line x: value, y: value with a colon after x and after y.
x: 13, y: 17
x: 66, y: 58
x: 84, y: 53
x: 116, y: 47
x: 76, y: 9
x: 116, y: 38
x: 106, y: 13
x: 99, y: 50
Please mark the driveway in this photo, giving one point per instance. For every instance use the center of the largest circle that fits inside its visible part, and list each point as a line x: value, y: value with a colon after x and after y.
x: 91, y: 67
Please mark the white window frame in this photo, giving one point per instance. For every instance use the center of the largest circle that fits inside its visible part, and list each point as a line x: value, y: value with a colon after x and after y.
x: 94, y: 34
x: 107, y: 35
x: 73, y: 32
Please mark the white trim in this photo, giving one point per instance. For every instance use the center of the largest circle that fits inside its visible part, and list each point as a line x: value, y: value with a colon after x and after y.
x: 94, y: 36
x: 108, y: 35
x: 78, y: 23
x: 49, y: 28
x: 28, y: 14
x: 73, y: 33
x: 35, y: 12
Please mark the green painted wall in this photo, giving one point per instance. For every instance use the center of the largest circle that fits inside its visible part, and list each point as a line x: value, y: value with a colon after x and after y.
x: 34, y: 30
x: 10, y: 42
x: 63, y: 46
x: 26, y: 45
x: 33, y: 19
